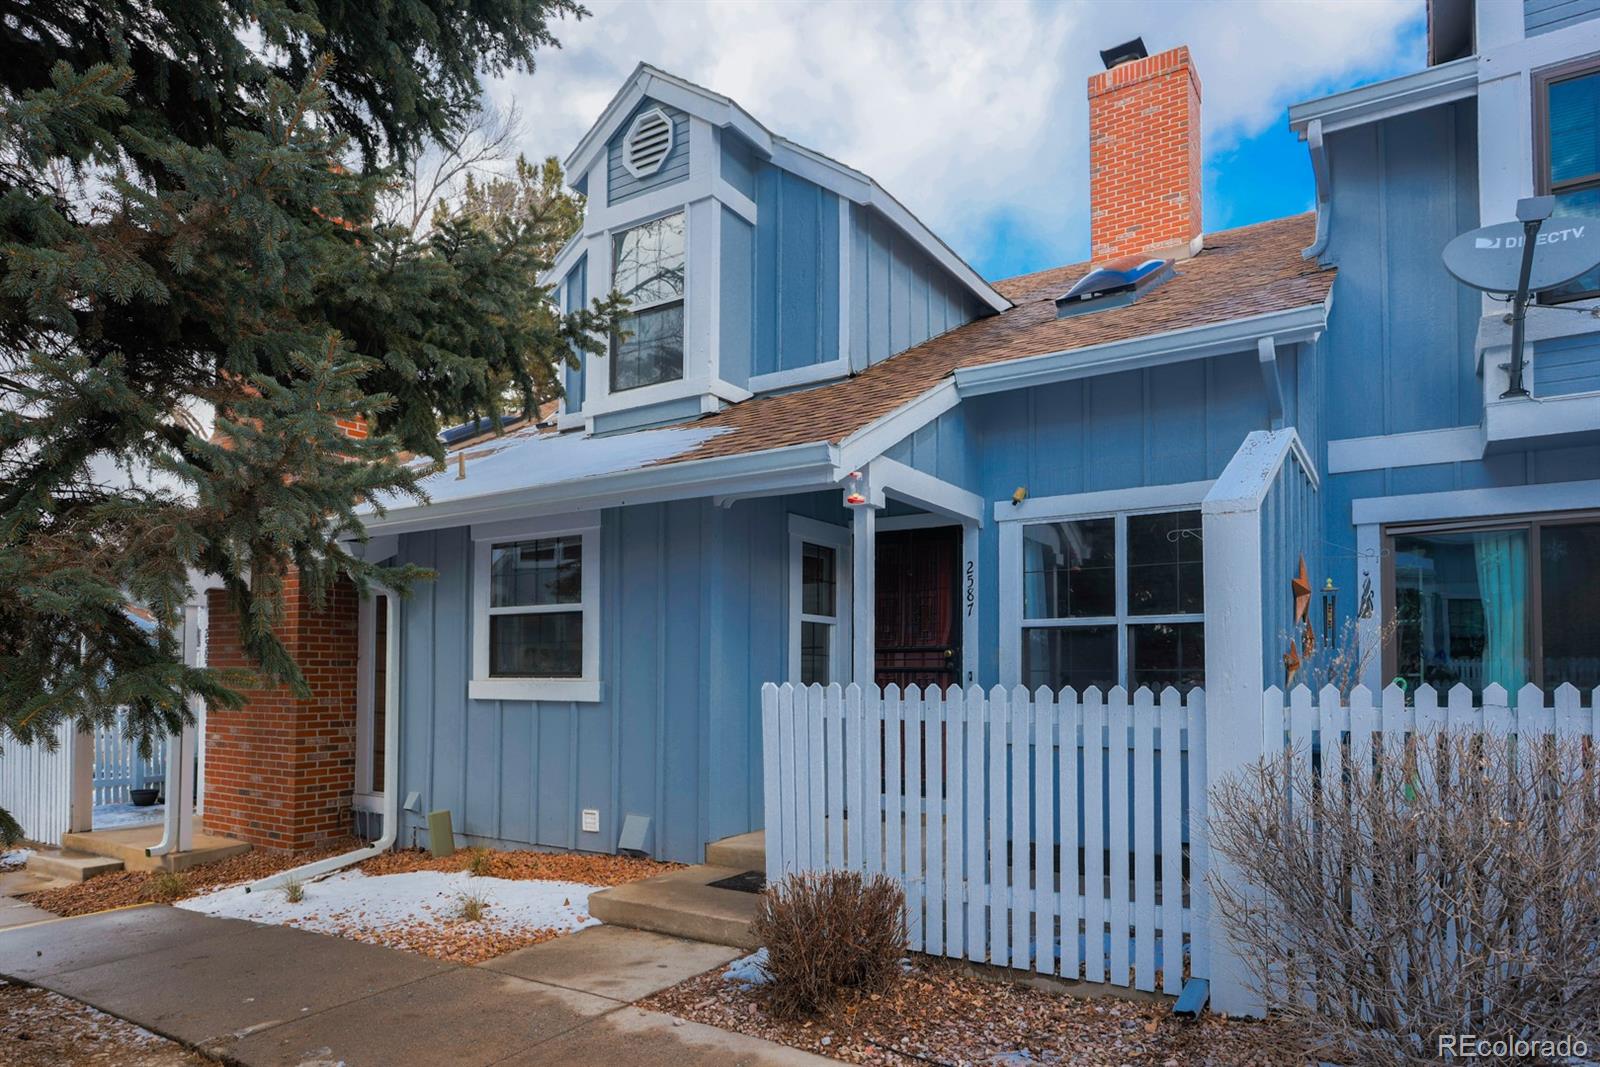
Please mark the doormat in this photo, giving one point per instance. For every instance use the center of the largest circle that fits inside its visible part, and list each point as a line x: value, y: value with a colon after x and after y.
x: 748, y: 882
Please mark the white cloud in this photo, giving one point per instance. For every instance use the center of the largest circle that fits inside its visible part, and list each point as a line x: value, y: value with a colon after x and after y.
x: 973, y: 114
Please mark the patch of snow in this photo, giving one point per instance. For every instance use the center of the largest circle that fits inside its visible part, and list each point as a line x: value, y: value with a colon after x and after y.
x: 350, y: 898
x: 117, y: 816
x: 748, y: 971
x: 14, y: 859
x: 527, y: 459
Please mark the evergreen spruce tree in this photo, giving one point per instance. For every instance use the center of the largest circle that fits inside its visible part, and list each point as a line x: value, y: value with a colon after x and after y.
x: 188, y: 239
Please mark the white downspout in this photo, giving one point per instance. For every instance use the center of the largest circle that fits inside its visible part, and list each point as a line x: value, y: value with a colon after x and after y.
x: 391, y: 774
x: 177, y: 833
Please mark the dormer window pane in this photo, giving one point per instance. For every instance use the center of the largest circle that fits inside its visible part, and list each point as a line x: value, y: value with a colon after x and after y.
x: 648, y: 270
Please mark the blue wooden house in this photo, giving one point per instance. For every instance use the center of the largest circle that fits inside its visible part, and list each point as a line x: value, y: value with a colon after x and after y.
x: 826, y: 449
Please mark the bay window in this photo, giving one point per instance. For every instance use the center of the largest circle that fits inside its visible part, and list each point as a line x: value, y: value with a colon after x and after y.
x: 1114, y: 600
x: 1499, y: 601
x: 648, y: 269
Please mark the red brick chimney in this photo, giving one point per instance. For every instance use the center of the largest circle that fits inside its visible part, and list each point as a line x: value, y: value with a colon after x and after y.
x: 1144, y: 158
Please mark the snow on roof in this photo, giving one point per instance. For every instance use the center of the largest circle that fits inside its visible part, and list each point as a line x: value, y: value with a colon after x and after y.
x: 530, y: 458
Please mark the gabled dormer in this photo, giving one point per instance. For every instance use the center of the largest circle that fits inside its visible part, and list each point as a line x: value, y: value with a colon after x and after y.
x: 753, y: 264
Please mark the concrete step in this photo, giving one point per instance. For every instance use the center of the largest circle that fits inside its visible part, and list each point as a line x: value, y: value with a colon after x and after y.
x: 70, y: 865
x: 128, y: 845
x: 747, y: 852
x: 682, y: 904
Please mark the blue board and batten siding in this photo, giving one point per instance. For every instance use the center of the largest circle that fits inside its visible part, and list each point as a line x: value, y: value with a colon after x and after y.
x: 1400, y: 352
x: 902, y: 296
x: 1291, y: 531
x: 575, y: 290
x: 1543, y: 16
x: 796, y: 296
x: 621, y: 185
x: 686, y: 641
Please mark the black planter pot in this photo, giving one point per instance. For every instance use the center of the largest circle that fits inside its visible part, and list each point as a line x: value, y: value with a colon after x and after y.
x: 143, y: 798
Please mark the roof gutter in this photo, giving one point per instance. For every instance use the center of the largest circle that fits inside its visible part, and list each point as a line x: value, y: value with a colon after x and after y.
x: 1291, y: 326
x: 797, y: 467
x: 1430, y: 87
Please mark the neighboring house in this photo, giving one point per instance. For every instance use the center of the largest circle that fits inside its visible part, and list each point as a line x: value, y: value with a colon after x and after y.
x: 830, y: 451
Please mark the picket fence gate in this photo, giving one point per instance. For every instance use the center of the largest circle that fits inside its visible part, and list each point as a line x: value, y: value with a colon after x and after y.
x: 118, y: 767
x: 1035, y: 831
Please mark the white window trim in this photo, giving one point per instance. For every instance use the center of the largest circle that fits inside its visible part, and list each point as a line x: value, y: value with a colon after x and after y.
x: 629, y: 398
x: 1117, y: 504
x: 587, y: 687
x: 366, y: 798
x: 804, y: 531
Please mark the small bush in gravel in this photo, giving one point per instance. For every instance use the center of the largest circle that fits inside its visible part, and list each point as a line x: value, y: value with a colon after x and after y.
x: 828, y: 933
x: 479, y: 862
x: 472, y: 908
x: 164, y: 887
x: 294, y: 890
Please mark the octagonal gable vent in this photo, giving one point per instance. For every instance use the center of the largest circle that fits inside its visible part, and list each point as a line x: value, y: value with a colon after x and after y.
x: 648, y: 143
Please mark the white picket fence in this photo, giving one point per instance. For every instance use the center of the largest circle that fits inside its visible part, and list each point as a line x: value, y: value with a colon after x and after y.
x: 36, y: 786
x: 119, y: 768
x: 1030, y: 830
x: 1306, y: 724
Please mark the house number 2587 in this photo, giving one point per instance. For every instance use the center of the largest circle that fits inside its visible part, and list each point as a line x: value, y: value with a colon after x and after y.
x: 972, y: 587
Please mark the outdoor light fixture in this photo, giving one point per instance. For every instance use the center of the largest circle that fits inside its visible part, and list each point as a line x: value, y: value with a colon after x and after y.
x: 1018, y: 495
x: 1330, y: 599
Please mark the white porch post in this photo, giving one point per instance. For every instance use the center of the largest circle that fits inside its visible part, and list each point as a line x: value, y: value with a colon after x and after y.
x: 80, y: 801
x: 863, y: 585
x: 1235, y: 654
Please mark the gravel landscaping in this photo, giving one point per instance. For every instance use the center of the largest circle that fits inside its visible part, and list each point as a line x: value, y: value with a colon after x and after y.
x: 43, y: 1029
x: 941, y: 1013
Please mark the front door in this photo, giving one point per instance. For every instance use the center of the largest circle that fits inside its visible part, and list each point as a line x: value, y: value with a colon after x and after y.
x: 918, y: 629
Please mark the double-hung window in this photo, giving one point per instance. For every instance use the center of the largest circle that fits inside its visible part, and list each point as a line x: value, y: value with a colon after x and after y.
x: 819, y: 602
x: 1113, y: 600
x: 536, y: 595
x: 1566, y: 102
x: 1501, y: 601
x: 648, y: 269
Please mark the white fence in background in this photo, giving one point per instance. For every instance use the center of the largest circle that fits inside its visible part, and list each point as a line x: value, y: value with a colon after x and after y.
x: 1030, y: 831
x: 36, y: 787
x: 1057, y: 833
x: 118, y: 767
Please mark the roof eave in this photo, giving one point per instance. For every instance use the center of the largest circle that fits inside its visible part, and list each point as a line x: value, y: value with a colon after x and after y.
x: 1289, y: 326
x: 1431, y: 87
x: 794, y: 467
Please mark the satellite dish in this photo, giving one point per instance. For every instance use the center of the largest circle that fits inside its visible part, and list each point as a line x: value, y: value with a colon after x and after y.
x: 1490, y: 258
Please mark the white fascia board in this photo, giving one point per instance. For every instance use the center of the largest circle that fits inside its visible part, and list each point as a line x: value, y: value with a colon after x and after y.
x: 877, y: 437
x: 1246, y: 480
x: 1442, y: 84
x: 1103, y: 502
x: 627, y: 97
x: 1476, y: 503
x: 1421, y: 448
x: 569, y: 254
x: 797, y: 467
x: 926, y: 491
x: 1294, y: 325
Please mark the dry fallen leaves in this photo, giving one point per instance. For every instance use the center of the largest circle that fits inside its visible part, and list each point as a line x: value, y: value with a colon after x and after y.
x: 941, y: 1013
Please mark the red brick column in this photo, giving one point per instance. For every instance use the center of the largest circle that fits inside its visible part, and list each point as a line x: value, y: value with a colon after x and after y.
x: 280, y: 770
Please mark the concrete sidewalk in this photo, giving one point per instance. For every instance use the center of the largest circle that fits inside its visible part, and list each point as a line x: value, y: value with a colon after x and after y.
x: 260, y: 995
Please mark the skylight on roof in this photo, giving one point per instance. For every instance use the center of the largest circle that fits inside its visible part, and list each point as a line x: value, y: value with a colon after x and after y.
x: 1115, y: 284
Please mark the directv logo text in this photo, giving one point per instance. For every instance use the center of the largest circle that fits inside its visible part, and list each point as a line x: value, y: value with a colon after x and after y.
x: 1548, y: 237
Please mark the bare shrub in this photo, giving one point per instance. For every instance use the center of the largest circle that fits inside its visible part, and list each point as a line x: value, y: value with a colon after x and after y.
x: 480, y: 862
x: 1451, y: 885
x: 472, y: 907
x: 827, y: 933
x: 294, y: 890
x: 164, y: 887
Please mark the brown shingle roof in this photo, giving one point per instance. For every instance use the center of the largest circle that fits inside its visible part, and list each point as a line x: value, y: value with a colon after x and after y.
x: 1249, y: 271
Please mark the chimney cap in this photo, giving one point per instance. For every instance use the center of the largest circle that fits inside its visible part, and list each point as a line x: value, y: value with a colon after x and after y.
x: 1126, y: 52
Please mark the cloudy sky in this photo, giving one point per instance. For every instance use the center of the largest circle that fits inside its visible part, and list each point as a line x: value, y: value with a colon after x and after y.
x: 974, y: 115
